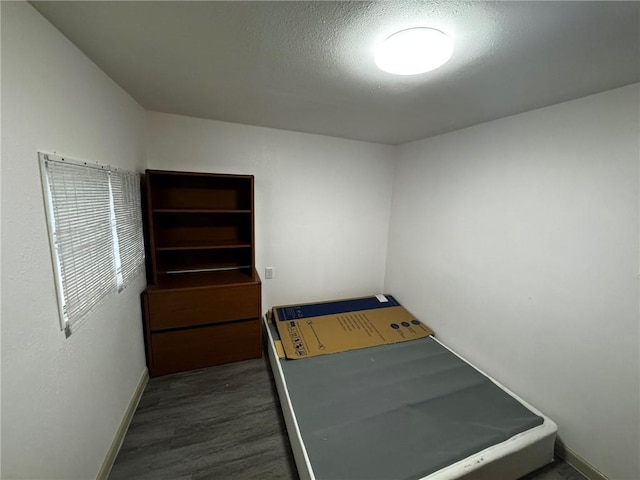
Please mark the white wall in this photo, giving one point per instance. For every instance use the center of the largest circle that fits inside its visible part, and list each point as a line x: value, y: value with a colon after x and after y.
x: 62, y: 399
x: 517, y: 241
x: 322, y: 204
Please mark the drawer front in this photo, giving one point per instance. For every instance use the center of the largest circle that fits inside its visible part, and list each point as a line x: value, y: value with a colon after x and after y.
x: 181, y: 350
x: 185, y: 308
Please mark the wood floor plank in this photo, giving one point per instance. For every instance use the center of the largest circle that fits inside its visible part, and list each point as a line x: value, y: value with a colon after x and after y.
x: 222, y: 422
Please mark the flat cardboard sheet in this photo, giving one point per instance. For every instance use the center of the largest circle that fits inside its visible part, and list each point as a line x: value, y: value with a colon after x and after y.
x: 346, y: 330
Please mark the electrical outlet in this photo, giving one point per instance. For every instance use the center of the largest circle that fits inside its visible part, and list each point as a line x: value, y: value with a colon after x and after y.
x: 268, y: 273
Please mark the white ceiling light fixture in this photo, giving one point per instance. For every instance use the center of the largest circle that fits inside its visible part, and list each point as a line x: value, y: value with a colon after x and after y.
x: 414, y: 51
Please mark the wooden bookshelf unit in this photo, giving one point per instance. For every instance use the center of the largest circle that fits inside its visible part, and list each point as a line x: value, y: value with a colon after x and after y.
x: 202, y: 306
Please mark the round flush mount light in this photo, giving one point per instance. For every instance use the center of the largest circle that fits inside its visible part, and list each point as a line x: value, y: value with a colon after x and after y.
x: 414, y: 51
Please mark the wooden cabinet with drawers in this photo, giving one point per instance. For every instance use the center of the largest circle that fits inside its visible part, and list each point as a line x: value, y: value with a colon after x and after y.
x: 202, y: 306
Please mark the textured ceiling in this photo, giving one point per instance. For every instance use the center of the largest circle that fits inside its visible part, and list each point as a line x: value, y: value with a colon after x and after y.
x: 308, y: 66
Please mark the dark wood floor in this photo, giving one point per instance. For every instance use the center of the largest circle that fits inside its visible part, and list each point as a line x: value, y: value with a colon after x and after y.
x: 225, y: 423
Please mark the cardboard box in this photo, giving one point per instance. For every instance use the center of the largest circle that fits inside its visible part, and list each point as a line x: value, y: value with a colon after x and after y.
x: 346, y: 326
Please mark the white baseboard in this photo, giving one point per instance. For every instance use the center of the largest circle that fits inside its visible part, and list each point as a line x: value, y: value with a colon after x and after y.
x: 104, y: 471
x: 577, y: 462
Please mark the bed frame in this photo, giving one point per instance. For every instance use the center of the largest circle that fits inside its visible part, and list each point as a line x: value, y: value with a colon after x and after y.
x: 510, y: 459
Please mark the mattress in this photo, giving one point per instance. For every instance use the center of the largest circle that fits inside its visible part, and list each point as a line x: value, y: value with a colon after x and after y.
x: 411, y: 410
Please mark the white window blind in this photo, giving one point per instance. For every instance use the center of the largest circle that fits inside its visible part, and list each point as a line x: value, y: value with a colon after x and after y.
x: 125, y: 188
x: 96, y: 248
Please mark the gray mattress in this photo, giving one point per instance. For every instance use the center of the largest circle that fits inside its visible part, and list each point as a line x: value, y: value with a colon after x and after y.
x: 400, y: 411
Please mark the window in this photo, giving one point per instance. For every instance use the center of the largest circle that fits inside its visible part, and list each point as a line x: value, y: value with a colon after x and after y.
x: 125, y: 190
x: 95, y: 232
